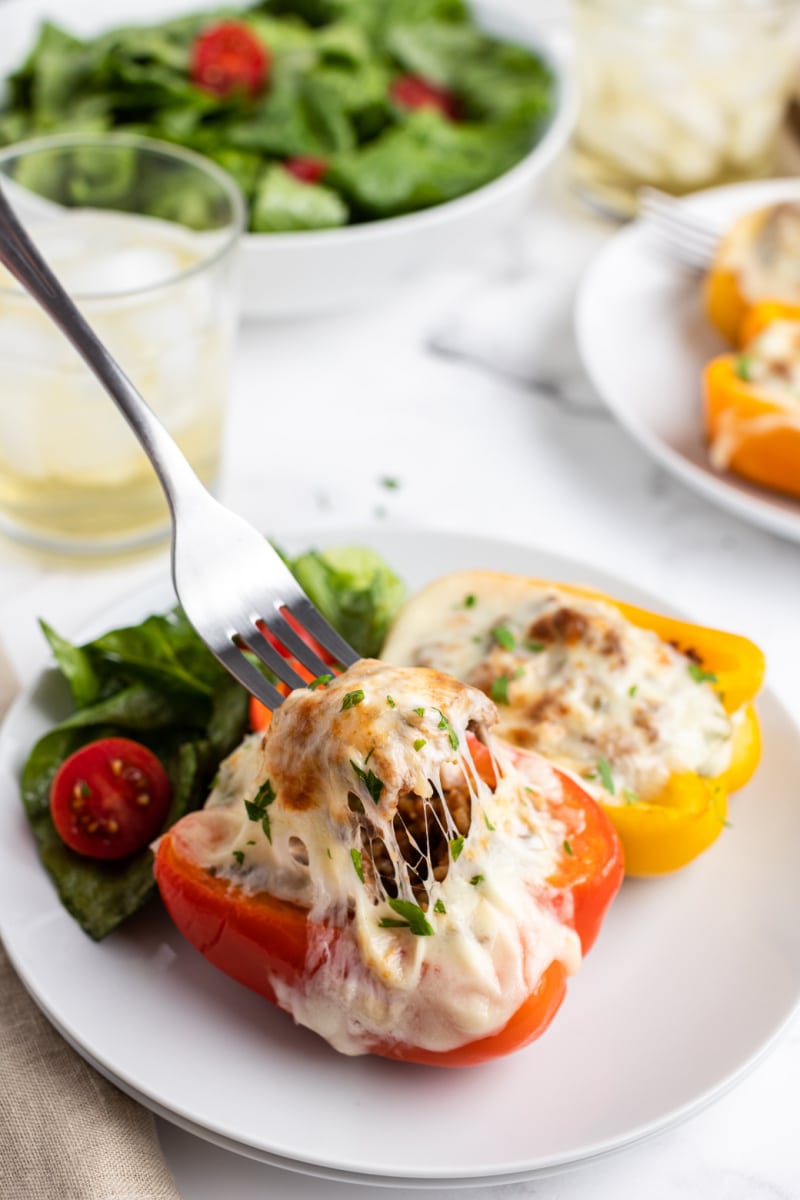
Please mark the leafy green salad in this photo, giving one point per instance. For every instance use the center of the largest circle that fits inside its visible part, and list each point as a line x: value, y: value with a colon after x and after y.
x: 157, y: 684
x: 326, y: 112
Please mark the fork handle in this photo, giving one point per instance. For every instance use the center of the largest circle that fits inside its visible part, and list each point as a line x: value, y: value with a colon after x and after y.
x: 21, y: 257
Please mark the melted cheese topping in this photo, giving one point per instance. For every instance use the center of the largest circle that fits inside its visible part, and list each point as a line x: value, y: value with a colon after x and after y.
x: 573, y: 679
x: 763, y: 249
x: 772, y: 362
x: 362, y: 804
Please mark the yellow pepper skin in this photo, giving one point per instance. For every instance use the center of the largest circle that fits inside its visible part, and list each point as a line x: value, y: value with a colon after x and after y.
x: 665, y: 833
x: 758, y: 436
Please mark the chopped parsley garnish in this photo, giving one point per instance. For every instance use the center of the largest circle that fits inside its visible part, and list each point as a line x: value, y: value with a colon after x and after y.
x: 456, y: 846
x: 390, y: 483
x: 444, y: 723
x: 633, y: 689
x: 239, y: 856
x: 419, y: 743
x: 414, y: 918
x: 604, y: 771
x: 390, y: 702
x: 439, y: 907
x: 699, y: 675
x: 520, y: 671
x: 568, y: 849
x: 534, y: 647
x: 630, y: 797
x: 499, y: 689
x: 504, y: 637
x: 488, y: 823
x: 420, y: 711
x: 476, y: 879
x: 351, y: 699
x: 357, y: 863
x: 470, y: 601
x: 370, y: 780
x: 320, y: 681
x: 369, y: 755
x: 743, y: 367
x: 257, y: 807
x: 250, y: 842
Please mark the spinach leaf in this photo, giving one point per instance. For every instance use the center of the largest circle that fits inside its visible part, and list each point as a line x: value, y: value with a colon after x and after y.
x: 283, y: 203
x: 158, y: 683
x: 355, y: 590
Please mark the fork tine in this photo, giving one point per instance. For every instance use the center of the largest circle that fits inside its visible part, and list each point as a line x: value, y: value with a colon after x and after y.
x: 254, y: 640
x: 685, y: 236
x: 311, y: 619
x: 248, y: 676
x: 282, y: 630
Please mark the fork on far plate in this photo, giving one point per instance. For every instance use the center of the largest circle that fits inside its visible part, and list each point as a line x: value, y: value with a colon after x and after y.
x: 234, y: 588
x: 685, y: 238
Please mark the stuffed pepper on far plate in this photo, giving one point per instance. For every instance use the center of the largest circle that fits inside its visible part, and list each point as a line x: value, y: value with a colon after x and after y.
x: 752, y: 401
x: 375, y: 865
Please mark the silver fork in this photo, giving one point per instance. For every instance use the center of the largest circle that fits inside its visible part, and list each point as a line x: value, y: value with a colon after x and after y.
x: 686, y: 239
x: 231, y: 583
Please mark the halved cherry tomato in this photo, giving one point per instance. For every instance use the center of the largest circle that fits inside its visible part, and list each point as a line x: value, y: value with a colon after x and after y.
x: 227, y: 58
x: 109, y: 798
x: 306, y: 168
x: 412, y: 91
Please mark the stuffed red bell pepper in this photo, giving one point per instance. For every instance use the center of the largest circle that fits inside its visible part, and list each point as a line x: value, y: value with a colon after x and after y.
x: 380, y: 869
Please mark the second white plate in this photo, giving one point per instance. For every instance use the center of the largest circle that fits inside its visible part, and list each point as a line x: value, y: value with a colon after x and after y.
x: 644, y: 339
x: 692, y: 978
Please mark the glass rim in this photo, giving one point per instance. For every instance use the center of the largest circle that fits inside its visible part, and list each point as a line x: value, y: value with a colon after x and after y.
x: 156, y: 146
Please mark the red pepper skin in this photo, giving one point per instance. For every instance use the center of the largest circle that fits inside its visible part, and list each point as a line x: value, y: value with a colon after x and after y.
x: 256, y: 939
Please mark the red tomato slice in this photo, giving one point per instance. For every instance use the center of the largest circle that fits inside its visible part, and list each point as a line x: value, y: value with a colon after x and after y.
x: 412, y: 91
x: 109, y: 798
x: 227, y: 58
x: 306, y: 168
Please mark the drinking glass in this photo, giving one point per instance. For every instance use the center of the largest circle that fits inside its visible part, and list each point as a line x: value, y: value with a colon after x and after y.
x: 678, y: 94
x: 143, y: 235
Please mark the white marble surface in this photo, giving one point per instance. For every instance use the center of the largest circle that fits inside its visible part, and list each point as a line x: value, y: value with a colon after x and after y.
x: 476, y: 373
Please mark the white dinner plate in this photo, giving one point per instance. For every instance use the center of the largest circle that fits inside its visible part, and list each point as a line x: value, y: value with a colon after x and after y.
x: 644, y: 339
x: 692, y: 978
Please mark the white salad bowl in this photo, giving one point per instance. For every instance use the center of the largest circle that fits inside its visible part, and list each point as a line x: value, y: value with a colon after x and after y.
x: 293, y: 274
x: 307, y: 273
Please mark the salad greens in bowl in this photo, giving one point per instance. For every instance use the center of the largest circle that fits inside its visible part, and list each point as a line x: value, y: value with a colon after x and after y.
x: 371, y: 138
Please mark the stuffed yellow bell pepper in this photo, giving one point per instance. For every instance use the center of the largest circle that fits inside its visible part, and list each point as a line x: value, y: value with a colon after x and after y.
x: 652, y: 714
x: 757, y: 260
x: 752, y: 401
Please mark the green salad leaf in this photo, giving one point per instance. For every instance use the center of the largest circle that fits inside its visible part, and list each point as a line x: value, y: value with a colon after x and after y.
x: 157, y: 683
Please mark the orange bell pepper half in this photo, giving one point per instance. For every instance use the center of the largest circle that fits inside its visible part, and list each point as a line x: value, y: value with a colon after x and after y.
x: 749, y: 432
x: 259, y: 939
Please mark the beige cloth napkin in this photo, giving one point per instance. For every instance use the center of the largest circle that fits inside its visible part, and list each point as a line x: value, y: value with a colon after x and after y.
x: 65, y: 1132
